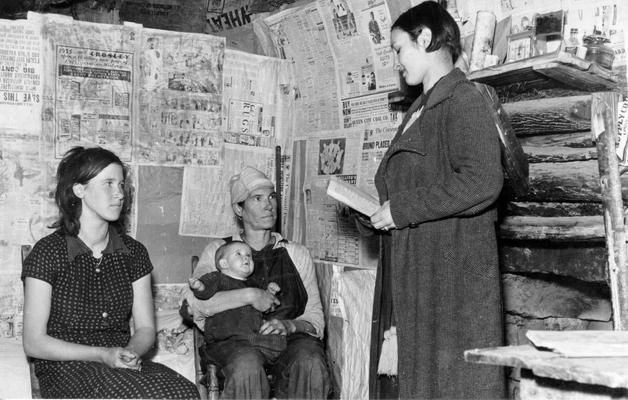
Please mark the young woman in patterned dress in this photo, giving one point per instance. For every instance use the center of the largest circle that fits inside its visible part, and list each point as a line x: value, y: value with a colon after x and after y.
x: 83, y: 283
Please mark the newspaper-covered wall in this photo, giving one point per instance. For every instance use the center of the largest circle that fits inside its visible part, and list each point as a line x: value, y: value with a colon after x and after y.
x: 300, y: 37
x: 206, y: 205
x: 330, y: 231
x: 341, y: 51
x: 88, y: 80
x: 179, y: 99
x: 152, y: 97
x: 331, y: 235
x: 22, y: 193
x: 87, y: 85
x: 258, y: 114
x: 259, y: 100
x: 20, y: 79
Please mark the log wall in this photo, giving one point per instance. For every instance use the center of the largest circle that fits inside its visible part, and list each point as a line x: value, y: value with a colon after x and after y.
x: 552, y: 241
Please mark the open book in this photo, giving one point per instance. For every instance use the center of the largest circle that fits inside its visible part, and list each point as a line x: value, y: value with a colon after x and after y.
x: 352, y: 196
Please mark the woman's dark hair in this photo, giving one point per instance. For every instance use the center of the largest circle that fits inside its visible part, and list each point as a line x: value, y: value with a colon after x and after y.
x: 430, y: 14
x: 79, y: 165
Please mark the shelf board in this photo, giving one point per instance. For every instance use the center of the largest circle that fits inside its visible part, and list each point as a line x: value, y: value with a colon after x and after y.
x: 540, y: 71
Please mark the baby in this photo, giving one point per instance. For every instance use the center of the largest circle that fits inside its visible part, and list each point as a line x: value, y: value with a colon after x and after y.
x: 234, y: 264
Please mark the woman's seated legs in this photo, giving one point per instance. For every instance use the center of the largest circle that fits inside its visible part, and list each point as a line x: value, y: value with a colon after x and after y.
x: 301, y: 372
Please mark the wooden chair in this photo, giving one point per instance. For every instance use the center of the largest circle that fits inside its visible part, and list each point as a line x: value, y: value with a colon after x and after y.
x: 206, y: 376
x: 35, y: 391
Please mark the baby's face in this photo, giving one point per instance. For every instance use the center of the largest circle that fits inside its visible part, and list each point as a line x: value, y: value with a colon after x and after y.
x: 239, y: 260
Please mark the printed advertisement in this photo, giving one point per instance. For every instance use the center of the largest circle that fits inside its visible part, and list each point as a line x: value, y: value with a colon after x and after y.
x: 88, y: 85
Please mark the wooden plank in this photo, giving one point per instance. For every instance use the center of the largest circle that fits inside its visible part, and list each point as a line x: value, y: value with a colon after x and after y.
x: 524, y: 71
x: 553, y: 228
x: 582, y: 343
x: 538, y: 154
x: 550, y: 115
x: 553, y: 209
x: 532, y: 387
x: 575, y: 139
x: 607, y: 371
x: 604, y: 125
x: 523, y: 356
x: 576, y: 181
x: 543, y: 298
x: 517, y: 326
x: 588, y: 80
x: 573, y: 181
x: 583, y: 261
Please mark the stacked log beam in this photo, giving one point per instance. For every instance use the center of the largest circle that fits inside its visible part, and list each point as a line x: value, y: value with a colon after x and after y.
x: 552, y: 239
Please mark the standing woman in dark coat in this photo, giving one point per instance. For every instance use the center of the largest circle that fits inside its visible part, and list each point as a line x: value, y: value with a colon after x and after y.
x: 438, y: 183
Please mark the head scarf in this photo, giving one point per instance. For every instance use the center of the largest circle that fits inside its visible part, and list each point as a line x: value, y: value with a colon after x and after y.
x: 250, y: 179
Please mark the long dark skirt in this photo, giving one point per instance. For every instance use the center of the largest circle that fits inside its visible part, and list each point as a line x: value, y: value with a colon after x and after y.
x: 92, y: 380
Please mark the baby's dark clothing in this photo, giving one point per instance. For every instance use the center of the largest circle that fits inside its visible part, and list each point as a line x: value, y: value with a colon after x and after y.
x: 242, y: 323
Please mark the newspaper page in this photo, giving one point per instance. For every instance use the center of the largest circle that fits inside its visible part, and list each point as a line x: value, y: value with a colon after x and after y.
x: 179, y: 99
x: 26, y: 210
x: 258, y: 99
x: 359, y: 33
x: 205, y: 203
x: 131, y: 187
x: 285, y: 173
x: 360, y: 39
x: 299, y: 35
x: 374, y: 144
x: 20, y: 78
x: 294, y: 199
x: 331, y: 234
x: 22, y: 192
x: 345, y: 39
x: 366, y: 111
x: 88, y: 84
x: 22, y: 198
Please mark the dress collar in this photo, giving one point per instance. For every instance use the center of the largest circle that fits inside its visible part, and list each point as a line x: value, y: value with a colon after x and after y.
x: 77, y: 247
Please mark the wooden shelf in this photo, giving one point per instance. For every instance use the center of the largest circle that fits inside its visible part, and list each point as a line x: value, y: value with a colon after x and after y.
x: 549, y: 70
x: 606, y: 371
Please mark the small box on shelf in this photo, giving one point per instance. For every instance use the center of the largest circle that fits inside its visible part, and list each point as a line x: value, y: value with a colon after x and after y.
x: 520, y: 46
x: 548, y: 32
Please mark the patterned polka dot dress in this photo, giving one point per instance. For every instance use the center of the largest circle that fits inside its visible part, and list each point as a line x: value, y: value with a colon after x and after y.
x: 91, y: 305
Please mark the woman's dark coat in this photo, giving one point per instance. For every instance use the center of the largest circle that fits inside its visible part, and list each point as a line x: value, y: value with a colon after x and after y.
x: 442, y: 177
